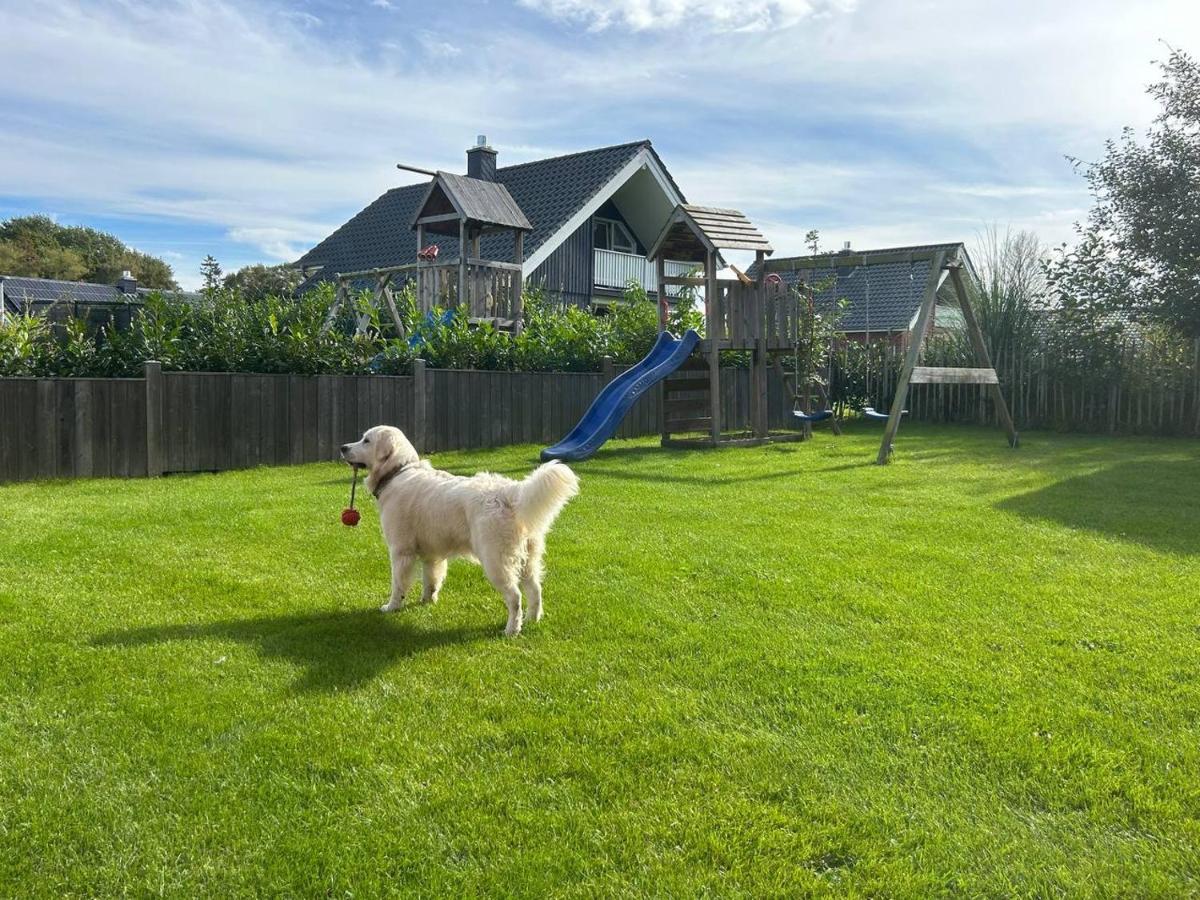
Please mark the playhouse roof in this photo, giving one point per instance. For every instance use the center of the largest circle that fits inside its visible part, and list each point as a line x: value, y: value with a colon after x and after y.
x: 692, y: 231
x: 474, y: 200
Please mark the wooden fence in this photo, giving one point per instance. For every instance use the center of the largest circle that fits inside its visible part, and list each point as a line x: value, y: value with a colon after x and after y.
x: 207, y: 422
x: 1147, y: 390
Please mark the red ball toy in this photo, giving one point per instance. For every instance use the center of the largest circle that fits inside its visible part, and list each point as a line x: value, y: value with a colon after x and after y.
x: 350, y: 515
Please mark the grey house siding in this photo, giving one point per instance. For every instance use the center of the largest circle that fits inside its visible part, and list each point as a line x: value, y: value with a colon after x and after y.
x: 567, y: 272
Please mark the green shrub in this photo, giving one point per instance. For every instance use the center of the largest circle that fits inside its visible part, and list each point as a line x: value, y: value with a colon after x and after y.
x: 226, y: 331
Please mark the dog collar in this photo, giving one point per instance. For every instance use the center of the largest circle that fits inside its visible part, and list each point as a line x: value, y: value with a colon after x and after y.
x: 386, y: 480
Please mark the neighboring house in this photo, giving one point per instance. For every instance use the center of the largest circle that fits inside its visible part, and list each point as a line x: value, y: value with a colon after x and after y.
x: 882, y: 288
x: 98, y: 303
x: 593, y: 215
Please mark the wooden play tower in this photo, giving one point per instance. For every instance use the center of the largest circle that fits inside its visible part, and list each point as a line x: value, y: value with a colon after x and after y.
x: 747, y: 314
x: 465, y: 209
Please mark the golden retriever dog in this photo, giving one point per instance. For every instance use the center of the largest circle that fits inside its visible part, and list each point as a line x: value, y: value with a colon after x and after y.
x: 433, y: 516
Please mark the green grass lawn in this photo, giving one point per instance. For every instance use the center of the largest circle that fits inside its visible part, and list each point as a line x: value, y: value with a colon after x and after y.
x: 767, y: 671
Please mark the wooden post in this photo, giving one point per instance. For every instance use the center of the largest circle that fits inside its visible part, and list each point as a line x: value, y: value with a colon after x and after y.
x: 464, y: 294
x: 756, y: 295
x: 385, y: 289
x: 607, y: 370
x: 421, y: 271
x: 518, y: 281
x: 758, y: 397
x: 714, y: 335
x: 47, y: 443
x: 420, y: 409
x: 982, y: 358
x: 910, y: 359
x: 660, y: 268
x: 660, y: 265
x: 338, y: 297
x: 154, y: 416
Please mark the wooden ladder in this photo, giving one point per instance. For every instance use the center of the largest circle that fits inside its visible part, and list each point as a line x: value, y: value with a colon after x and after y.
x: 687, y: 401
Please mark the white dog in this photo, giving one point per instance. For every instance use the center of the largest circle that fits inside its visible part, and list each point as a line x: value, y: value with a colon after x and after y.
x: 433, y: 516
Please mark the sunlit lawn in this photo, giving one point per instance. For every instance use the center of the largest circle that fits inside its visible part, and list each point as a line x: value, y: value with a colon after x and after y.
x: 763, y: 671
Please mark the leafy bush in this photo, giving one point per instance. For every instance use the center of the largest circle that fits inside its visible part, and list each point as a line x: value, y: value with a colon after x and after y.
x: 227, y: 331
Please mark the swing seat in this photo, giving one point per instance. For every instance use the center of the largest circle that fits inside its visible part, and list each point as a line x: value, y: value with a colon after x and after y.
x: 820, y: 416
x: 877, y: 416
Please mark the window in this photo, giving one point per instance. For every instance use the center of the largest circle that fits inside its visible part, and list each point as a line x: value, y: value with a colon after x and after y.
x: 609, y: 234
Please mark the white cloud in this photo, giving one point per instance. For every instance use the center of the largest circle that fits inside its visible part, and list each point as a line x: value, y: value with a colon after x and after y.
x: 437, y: 46
x: 715, y: 15
x: 881, y: 122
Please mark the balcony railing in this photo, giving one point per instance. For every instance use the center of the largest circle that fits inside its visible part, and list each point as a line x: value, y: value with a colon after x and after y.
x: 615, y: 270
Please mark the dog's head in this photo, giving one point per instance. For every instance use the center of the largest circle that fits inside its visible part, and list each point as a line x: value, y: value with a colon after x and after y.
x: 381, y: 449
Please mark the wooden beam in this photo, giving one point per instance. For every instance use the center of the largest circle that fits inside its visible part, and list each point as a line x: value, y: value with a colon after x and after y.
x: 924, y: 317
x: 982, y: 357
x: 678, y: 385
x: 154, y: 418
x: 702, y: 423
x: 385, y: 289
x: 408, y: 168
x: 441, y: 217
x: 420, y: 276
x: 493, y: 263
x: 952, y: 375
x: 338, y: 296
x: 519, y: 280
x: 827, y: 260
x: 714, y: 354
x: 375, y: 273
x: 464, y: 292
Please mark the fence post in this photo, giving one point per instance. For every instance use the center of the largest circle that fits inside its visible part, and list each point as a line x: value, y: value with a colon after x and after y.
x: 606, y: 368
x: 419, y: 407
x: 154, y: 394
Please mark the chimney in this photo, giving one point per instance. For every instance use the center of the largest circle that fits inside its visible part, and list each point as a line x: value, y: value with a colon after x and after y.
x: 127, y: 284
x: 845, y: 247
x: 481, y: 160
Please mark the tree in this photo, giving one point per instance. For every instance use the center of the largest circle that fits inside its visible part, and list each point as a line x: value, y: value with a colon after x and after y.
x: 210, y: 270
x: 258, y: 281
x: 39, y: 247
x: 1139, y: 250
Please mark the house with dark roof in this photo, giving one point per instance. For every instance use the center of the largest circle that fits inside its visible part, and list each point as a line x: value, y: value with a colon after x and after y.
x: 579, y: 225
x: 881, y: 289
x: 56, y: 299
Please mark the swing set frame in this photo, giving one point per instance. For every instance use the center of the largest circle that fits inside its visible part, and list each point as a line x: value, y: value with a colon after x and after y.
x: 982, y: 373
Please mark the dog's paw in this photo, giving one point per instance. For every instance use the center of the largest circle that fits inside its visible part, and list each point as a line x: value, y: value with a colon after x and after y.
x: 430, y: 600
x: 513, y: 630
x: 392, y: 606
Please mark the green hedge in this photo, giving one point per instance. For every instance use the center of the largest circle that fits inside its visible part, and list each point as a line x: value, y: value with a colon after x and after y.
x: 226, y: 332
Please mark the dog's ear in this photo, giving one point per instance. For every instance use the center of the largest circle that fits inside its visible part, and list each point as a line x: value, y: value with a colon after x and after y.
x: 385, y: 448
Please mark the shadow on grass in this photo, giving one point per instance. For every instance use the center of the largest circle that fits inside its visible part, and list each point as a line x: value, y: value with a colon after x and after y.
x: 1155, y: 503
x: 336, y: 650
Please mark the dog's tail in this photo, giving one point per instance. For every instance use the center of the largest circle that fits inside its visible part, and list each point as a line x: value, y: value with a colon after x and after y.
x: 541, y: 496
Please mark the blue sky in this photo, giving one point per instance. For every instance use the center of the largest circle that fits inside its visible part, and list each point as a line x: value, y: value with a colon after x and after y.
x: 251, y: 130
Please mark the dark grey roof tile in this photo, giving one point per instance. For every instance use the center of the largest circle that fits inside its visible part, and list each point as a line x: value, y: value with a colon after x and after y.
x: 548, y: 192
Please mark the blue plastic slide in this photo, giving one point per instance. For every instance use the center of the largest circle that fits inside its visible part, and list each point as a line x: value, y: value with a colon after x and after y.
x: 611, y: 404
